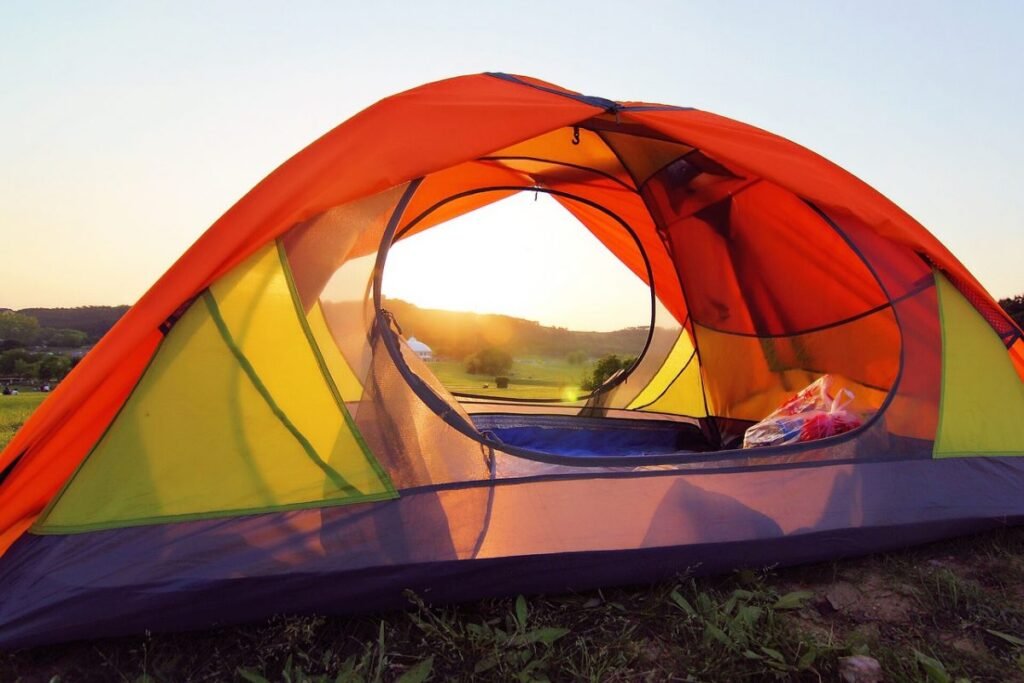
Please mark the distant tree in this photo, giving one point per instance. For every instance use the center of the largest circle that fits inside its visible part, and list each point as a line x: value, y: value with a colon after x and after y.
x: 1014, y: 306
x: 62, y: 338
x: 9, y: 360
x: 8, y: 344
x: 21, y: 328
x: 26, y: 369
x: 54, y: 367
x: 489, y: 361
x: 93, y: 320
x: 605, y: 368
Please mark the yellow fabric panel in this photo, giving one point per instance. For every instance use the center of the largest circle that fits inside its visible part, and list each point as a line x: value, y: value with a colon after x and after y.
x: 685, y: 396
x: 982, y: 409
x: 195, y: 437
x: 235, y: 414
x: 673, y: 390
x: 258, y: 306
x: 344, y: 377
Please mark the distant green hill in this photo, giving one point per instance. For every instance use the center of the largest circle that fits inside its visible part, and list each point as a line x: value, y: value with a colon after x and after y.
x: 456, y: 334
x: 450, y: 333
x: 93, y: 320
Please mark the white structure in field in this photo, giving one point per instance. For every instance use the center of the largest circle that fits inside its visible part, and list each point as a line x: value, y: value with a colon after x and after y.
x: 420, y: 349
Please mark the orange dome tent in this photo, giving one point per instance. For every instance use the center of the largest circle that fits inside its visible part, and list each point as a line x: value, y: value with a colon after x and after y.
x: 229, y: 436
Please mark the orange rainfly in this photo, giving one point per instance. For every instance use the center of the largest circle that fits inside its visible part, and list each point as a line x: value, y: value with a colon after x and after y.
x: 261, y: 404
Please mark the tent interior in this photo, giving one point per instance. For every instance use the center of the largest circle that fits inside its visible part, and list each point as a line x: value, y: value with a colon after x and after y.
x: 751, y: 294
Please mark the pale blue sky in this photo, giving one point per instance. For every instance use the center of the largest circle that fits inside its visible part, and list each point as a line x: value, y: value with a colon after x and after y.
x: 127, y: 128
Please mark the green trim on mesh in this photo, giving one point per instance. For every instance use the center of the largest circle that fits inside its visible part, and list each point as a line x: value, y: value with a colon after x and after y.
x: 352, y: 495
x: 250, y: 371
x: 325, y: 371
x: 57, y: 530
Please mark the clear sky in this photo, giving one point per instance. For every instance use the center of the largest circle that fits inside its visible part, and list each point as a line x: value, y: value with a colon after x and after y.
x: 127, y: 128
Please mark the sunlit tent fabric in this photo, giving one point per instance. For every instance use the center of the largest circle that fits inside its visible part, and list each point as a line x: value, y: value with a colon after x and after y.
x: 255, y: 435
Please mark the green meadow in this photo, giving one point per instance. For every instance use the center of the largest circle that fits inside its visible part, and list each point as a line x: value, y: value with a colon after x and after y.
x: 14, y: 410
x: 530, y: 377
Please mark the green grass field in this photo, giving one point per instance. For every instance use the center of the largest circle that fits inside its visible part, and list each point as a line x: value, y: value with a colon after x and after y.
x: 14, y: 410
x: 530, y: 377
x: 942, y: 613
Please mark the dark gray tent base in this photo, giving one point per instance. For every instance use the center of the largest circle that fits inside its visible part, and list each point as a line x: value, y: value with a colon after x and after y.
x: 361, y: 558
x: 114, y: 612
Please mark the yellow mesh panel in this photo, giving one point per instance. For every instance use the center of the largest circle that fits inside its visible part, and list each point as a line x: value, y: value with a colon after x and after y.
x: 233, y: 415
x: 345, y: 379
x: 982, y: 409
x: 259, y: 309
x: 676, y: 387
x: 685, y: 396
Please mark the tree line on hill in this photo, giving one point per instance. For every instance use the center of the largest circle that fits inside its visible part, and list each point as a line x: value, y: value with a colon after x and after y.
x: 94, y: 321
x: 36, y: 343
x: 27, y: 335
x: 31, y: 366
x: 460, y: 335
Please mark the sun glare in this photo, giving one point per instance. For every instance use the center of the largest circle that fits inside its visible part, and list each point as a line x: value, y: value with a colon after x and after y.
x: 524, y: 256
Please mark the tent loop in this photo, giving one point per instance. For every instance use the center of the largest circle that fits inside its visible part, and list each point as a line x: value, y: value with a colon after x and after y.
x: 392, y: 322
x: 575, y: 135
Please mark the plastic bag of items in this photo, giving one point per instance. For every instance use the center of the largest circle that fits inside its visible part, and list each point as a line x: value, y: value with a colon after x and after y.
x: 819, y: 410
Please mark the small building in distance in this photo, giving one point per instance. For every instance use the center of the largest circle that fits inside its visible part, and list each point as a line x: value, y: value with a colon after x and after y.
x: 420, y: 349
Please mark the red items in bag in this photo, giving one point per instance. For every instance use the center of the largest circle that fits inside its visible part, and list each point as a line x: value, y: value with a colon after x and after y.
x: 819, y: 410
